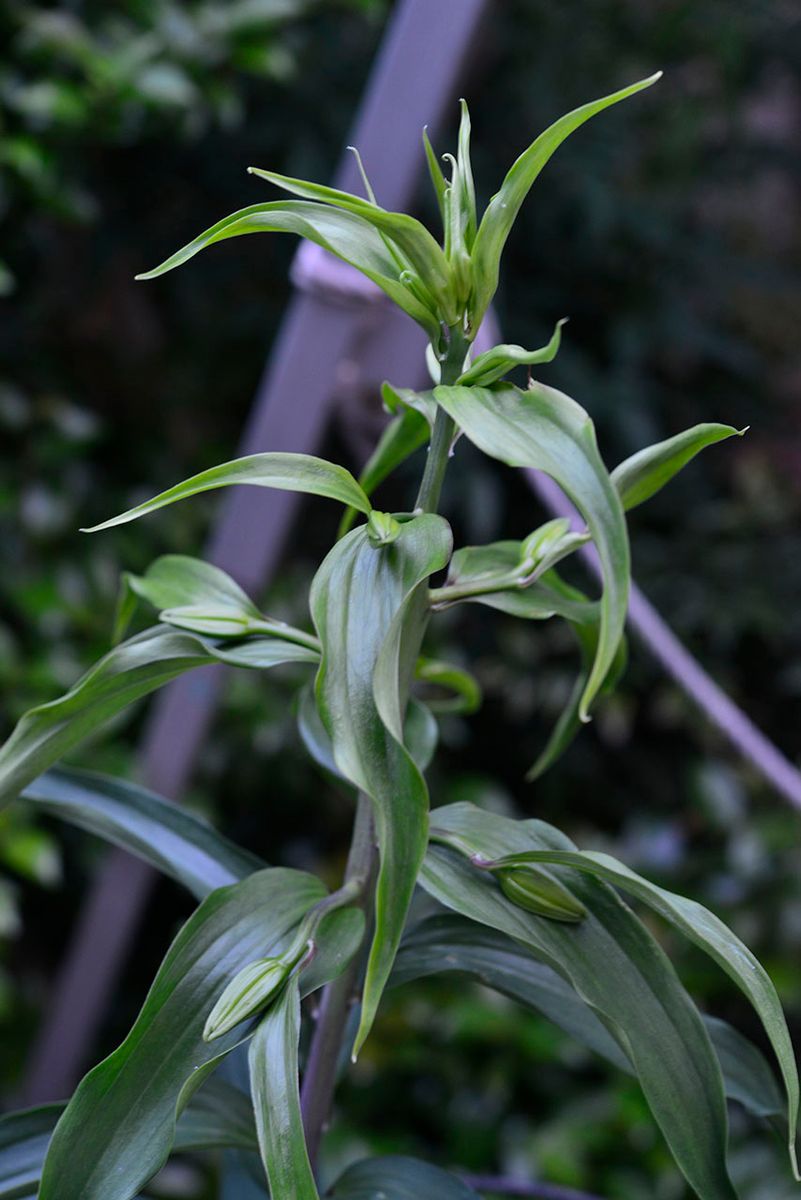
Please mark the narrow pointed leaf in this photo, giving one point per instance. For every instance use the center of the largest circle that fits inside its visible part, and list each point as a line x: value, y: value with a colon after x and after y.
x: 218, y: 1116
x: 356, y: 596
x: 124, y: 1112
x: 398, y: 1178
x: 168, y: 837
x: 451, y: 943
x: 707, y: 931
x: 344, y: 234
x: 504, y: 206
x: 127, y: 673
x: 615, y: 965
x: 177, y: 580
x: 438, y: 180
x: 644, y: 474
x: 273, y: 1058
x: 399, y: 400
x: 404, y: 434
x: 467, y: 198
x: 546, y: 430
x: 286, y: 472
x: 414, y: 241
x: 493, y: 364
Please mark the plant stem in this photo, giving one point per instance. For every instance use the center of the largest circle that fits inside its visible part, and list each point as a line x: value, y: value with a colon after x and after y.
x: 444, y: 428
x: 319, y: 1079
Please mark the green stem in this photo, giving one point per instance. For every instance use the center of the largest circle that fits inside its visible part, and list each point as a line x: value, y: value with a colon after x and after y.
x: 444, y: 428
x: 325, y: 1052
x: 338, y: 997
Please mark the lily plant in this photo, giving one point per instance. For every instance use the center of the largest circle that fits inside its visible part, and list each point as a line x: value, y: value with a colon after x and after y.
x: 513, y: 903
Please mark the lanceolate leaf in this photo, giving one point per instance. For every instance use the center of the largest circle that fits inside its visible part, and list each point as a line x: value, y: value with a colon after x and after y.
x: 356, y: 597
x: 451, y: 943
x: 347, y: 235
x: 168, y: 837
x: 546, y: 430
x: 286, y: 472
x: 421, y: 252
x: 219, y: 1115
x: 397, y: 1178
x: 615, y: 966
x: 273, y: 1058
x: 707, y: 931
x: 127, y: 673
x: 504, y: 206
x: 646, y: 472
x: 123, y: 1114
x: 493, y: 364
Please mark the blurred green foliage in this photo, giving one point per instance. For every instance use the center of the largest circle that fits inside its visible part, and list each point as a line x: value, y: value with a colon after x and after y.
x: 668, y: 232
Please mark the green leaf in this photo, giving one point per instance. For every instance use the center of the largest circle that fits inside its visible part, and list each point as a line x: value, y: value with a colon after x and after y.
x: 286, y: 472
x: 419, y: 250
x: 273, y: 1058
x: 127, y: 673
x: 398, y: 1178
x: 199, y: 597
x: 465, y: 688
x: 404, y: 434
x: 438, y: 180
x: 639, y: 478
x: 218, y: 1116
x: 363, y: 597
x: 493, y: 364
x: 124, y: 1112
x: 168, y: 837
x: 615, y: 965
x: 502, y: 210
x: 24, y: 1138
x: 707, y: 931
x: 546, y: 430
x: 451, y: 943
x: 467, y: 197
x: 400, y: 400
x: 346, y: 235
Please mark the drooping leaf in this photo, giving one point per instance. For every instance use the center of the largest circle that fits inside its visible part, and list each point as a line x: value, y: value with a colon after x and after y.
x: 502, y: 210
x: 615, y: 965
x: 219, y: 1115
x: 395, y: 1177
x: 124, y: 1111
x: 127, y: 673
x: 707, y: 931
x: 546, y: 430
x: 273, y: 1058
x: 644, y: 474
x: 419, y: 249
x: 400, y: 400
x: 493, y: 364
x: 404, y: 434
x: 163, y: 834
x: 347, y: 235
x: 451, y: 943
x: 286, y: 472
x: 357, y: 595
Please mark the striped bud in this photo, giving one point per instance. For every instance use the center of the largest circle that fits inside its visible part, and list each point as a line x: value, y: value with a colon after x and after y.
x: 539, y: 893
x: 248, y: 993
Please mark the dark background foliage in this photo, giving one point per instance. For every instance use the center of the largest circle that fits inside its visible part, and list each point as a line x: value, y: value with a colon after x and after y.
x: 668, y: 231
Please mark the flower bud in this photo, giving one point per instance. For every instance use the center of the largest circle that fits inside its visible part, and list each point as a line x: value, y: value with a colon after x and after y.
x: 382, y: 528
x: 539, y: 893
x: 248, y: 992
x: 534, y: 548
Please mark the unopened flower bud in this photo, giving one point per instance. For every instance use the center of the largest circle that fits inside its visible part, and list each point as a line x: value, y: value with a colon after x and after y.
x: 248, y: 993
x: 382, y: 528
x: 534, y: 548
x: 539, y: 893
